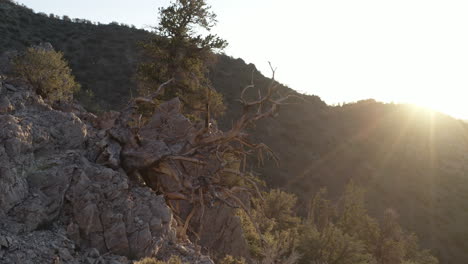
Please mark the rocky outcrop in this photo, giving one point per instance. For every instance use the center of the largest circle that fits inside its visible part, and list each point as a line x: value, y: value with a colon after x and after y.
x: 64, y: 195
x: 222, y: 233
x: 156, y: 152
x: 49, y: 245
x: 117, y: 184
x: 111, y: 216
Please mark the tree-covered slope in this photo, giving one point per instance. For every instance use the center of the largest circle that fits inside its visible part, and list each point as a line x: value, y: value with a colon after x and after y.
x: 102, y: 57
x: 410, y: 159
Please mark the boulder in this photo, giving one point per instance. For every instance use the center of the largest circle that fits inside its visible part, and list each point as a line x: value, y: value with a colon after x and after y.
x: 46, y: 179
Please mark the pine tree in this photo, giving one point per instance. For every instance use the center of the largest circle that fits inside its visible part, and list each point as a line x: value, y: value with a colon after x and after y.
x: 178, y: 53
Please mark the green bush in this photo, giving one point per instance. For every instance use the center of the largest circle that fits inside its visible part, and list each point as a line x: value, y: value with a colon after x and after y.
x: 344, y: 233
x: 271, y: 232
x: 331, y: 245
x: 172, y: 260
x: 47, y: 72
x: 231, y: 260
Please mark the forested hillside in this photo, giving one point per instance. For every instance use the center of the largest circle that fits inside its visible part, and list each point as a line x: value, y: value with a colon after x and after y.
x: 409, y: 159
x: 109, y: 50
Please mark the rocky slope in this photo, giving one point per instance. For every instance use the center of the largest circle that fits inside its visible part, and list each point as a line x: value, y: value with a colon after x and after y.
x: 64, y: 197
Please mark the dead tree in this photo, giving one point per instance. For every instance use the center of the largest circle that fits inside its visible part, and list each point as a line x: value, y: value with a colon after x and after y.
x: 190, y: 163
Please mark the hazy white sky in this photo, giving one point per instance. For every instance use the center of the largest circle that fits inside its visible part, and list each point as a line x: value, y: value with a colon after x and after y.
x: 413, y: 51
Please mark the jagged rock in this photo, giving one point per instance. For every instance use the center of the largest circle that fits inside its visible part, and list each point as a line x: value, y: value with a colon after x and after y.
x: 10, y: 87
x: 64, y: 189
x: 48, y: 182
x: 78, y: 110
x: 104, y: 207
x: 93, y: 253
x: 47, y: 246
x: 110, y: 155
x: 107, y: 120
x: 73, y: 232
x: 144, y: 156
x: 222, y: 232
x: 5, y: 105
x: 5, y: 61
x: 167, y: 123
x: 4, y: 242
x: 13, y: 184
x: 27, y: 135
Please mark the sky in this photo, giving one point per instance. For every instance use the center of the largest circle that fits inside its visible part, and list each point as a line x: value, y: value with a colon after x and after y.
x: 403, y: 51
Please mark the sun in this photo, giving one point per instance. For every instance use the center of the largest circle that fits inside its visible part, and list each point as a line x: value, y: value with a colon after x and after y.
x: 451, y: 107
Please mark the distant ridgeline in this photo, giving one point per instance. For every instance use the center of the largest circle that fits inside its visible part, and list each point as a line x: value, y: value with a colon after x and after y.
x: 411, y: 160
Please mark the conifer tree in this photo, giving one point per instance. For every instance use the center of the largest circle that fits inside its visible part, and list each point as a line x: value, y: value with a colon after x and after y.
x: 178, y: 53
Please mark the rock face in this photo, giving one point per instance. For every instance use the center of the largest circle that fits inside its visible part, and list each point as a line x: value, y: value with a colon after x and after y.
x: 64, y: 194
x: 222, y: 233
x: 107, y: 186
x: 195, y: 183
